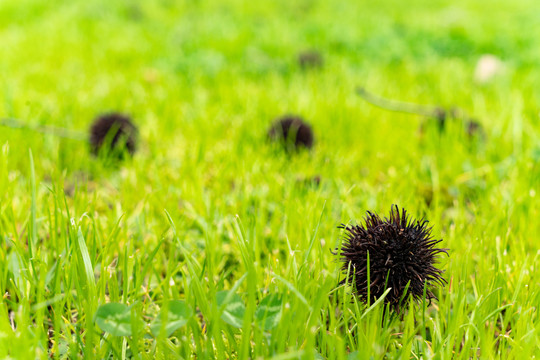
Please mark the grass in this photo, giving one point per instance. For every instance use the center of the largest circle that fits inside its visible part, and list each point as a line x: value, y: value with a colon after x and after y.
x: 212, y: 227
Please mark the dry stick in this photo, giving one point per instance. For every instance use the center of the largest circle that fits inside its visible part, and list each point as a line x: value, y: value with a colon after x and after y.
x: 404, y: 107
x: 44, y: 129
x: 397, y: 106
x: 439, y: 114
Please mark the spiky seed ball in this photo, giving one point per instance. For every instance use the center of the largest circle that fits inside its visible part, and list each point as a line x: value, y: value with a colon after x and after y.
x: 441, y: 116
x: 292, y: 131
x: 310, y: 59
x: 474, y: 128
x: 309, y: 182
x: 314, y: 181
x: 114, y: 130
x: 401, y: 250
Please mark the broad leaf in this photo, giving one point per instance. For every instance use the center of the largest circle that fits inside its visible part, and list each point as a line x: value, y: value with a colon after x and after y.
x: 178, y: 316
x: 115, y: 319
x: 268, y: 314
x: 234, y: 311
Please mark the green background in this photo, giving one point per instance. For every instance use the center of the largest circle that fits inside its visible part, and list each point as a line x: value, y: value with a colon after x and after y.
x: 203, y: 80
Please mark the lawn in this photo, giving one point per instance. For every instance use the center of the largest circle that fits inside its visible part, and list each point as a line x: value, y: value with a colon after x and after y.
x: 213, y: 242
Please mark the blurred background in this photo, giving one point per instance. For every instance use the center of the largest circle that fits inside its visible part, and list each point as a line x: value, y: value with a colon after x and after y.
x: 203, y: 81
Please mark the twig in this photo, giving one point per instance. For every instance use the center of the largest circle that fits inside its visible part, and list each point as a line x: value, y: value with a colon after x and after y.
x: 44, y: 129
